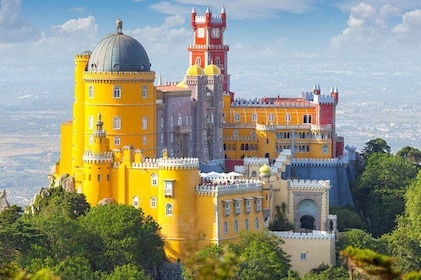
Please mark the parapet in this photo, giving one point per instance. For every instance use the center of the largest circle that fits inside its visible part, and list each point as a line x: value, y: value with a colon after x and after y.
x: 314, y: 162
x: 169, y: 163
x: 92, y: 158
x: 255, y: 161
x: 315, y: 234
x: 225, y: 187
x: 308, y: 184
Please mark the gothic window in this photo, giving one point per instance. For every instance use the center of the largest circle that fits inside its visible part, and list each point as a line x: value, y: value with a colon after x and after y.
x: 154, y: 179
x: 91, y: 92
x: 235, y: 226
x: 91, y: 122
x: 153, y: 202
x: 226, y: 208
x: 237, y: 207
x: 117, y: 92
x: 246, y: 223
x: 256, y: 223
x: 306, y: 118
x: 180, y: 119
x: 161, y: 122
x: 248, y: 205
x: 225, y: 227
x: 271, y: 117
x: 116, y: 123
x: 144, y: 91
x: 145, y: 122
x: 217, y: 61
x: 171, y: 120
x: 168, y: 209
x: 287, y: 117
x: 135, y: 202
x: 198, y: 61
x: 254, y: 117
x: 145, y: 140
x: 236, y: 117
x: 258, y: 205
x: 116, y: 141
x: 168, y: 188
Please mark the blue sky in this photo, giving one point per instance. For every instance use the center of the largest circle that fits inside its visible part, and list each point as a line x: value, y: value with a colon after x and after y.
x: 286, y: 40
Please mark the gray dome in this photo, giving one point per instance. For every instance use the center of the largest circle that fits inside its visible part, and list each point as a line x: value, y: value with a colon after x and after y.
x: 119, y: 53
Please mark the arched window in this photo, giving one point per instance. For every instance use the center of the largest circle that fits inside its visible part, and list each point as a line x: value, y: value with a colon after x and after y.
x: 254, y: 117
x: 154, y: 179
x: 116, y: 123
x: 179, y: 119
x: 325, y: 149
x: 287, y: 117
x: 246, y: 223
x: 168, y: 209
x: 145, y: 140
x: 117, y: 141
x: 117, y: 92
x: 91, y: 91
x: 90, y: 122
x: 225, y: 227
x: 153, y: 202
x: 235, y: 226
x: 256, y: 223
x: 135, y: 201
x: 271, y: 117
x: 144, y: 91
x: 145, y: 122
x: 171, y: 120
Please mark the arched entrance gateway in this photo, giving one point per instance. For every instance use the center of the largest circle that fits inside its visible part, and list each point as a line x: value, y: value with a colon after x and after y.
x: 308, y: 215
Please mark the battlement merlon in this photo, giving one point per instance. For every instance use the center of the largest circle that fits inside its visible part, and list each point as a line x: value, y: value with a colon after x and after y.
x: 301, y: 235
x: 302, y: 184
x: 220, y: 20
x: 249, y: 186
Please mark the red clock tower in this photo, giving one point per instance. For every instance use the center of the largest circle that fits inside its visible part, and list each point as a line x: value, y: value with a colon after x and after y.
x: 208, y: 47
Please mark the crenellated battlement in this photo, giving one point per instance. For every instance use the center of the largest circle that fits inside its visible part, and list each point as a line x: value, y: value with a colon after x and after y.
x: 324, y: 99
x: 308, y: 184
x: 93, y: 158
x: 315, y: 162
x: 275, y: 102
x: 255, y: 161
x: 225, y: 187
x: 169, y: 163
x: 208, y: 47
x: 315, y: 234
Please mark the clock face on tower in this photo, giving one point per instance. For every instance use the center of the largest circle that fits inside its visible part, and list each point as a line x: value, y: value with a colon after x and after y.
x: 216, y: 32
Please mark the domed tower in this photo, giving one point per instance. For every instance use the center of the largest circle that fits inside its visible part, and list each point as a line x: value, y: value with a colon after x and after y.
x: 116, y: 81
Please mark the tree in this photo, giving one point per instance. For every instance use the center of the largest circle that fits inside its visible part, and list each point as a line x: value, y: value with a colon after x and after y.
x: 127, y: 272
x: 128, y: 237
x: 411, y: 154
x: 347, y: 218
x: 404, y: 242
x: 261, y: 256
x: 381, y: 188
x: 328, y: 272
x: 377, y: 145
x: 281, y: 222
x: 360, y: 239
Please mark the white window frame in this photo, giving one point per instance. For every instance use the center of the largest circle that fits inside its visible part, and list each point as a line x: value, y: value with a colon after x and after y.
x: 237, y: 117
x: 248, y: 205
x: 91, y: 91
x: 117, y: 141
x: 179, y: 119
x: 153, y: 202
x: 246, y: 223
x: 225, y: 227
x: 235, y: 226
x: 227, y: 208
x: 168, y: 187
x: 271, y: 117
x: 168, y: 209
x: 91, y: 122
x: 237, y: 207
x: 256, y: 223
x: 287, y: 118
x: 145, y: 140
x: 154, y: 179
x: 117, y: 92
x: 116, y: 123
x: 303, y: 256
x: 144, y: 122
x: 136, y: 202
x: 144, y: 91
x: 258, y: 205
x: 325, y: 149
x: 254, y: 117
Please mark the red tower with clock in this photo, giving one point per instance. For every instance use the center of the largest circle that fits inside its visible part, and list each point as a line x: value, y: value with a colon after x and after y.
x: 208, y: 47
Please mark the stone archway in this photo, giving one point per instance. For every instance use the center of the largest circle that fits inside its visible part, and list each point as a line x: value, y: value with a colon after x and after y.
x: 307, y: 215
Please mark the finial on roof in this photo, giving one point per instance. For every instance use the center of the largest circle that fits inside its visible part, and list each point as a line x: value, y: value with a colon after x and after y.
x: 208, y: 10
x: 331, y: 89
x: 119, y: 25
x: 335, y: 90
x: 193, y: 11
x: 223, y: 10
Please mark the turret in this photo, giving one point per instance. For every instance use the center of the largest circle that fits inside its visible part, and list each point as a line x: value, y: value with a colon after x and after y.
x: 208, y: 16
x: 224, y: 18
x: 193, y: 18
x: 316, y: 89
x: 336, y: 94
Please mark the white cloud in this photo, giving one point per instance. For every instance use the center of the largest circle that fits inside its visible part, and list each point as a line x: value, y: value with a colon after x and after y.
x: 12, y: 28
x: 81, y: 26
x: 378, y: 30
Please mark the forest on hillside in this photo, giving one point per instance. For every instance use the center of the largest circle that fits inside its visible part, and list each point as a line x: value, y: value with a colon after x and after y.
x: 61, y: 237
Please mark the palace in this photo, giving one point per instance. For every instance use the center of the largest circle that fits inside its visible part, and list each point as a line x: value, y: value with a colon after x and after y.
x: 152, y: 146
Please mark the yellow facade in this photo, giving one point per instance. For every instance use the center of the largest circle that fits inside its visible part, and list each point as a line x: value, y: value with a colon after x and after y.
x: 110, y: 149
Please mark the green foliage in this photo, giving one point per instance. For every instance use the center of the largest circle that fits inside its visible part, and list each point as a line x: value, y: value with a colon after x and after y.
x: 281, y: 222
x: 367, y: 262
x: 261, y: 256
x: 411, y: 154
x: 381, y: 189
x: 347, y: 218
x: 127, y: 272
x: 404, y: 242
x: 327, y: 272
x: 128, y: 237
x: 360, y: 239
x: 212, y: 263
x: 377, y: 145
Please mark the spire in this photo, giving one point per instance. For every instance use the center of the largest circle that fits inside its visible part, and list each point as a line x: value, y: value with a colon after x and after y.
x: 193, y: 10
x: 119, y: 26
x: 223, y: 10
x: 208, y: 11
x: 99, y: 127
x: 331, y: 90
